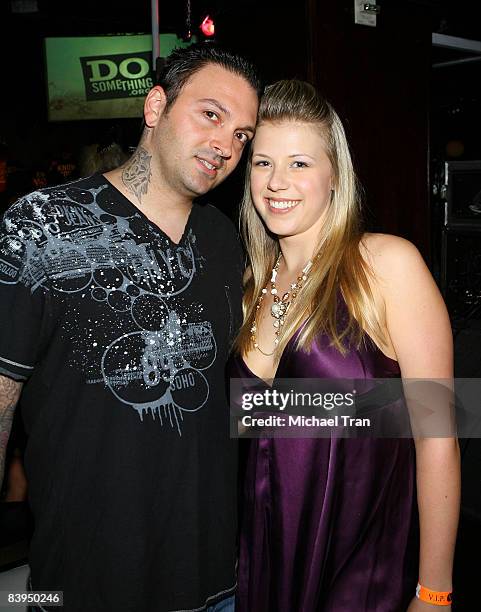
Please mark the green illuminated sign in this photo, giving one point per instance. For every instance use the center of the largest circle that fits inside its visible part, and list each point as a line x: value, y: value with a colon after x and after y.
x: 101, y: 77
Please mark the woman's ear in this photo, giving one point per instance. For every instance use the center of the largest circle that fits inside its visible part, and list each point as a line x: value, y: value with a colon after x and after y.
x: 154, y: 106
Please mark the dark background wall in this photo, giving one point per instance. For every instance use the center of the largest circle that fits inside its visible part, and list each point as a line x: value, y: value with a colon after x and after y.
x: 378, y: 78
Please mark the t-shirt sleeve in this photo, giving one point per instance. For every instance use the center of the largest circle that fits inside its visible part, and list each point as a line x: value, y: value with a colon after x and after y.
x: 22, y: 294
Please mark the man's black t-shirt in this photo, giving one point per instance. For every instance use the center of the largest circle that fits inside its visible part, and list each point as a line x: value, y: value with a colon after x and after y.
x: 121, y: 337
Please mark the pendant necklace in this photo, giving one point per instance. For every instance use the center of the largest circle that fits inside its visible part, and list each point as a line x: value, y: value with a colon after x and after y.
x: 279, y: 306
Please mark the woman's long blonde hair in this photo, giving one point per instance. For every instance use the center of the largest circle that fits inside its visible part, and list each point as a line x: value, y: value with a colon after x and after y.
x: 339, y: 269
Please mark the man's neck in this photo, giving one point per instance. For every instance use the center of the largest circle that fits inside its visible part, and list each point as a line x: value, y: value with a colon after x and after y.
x: 139, y: 183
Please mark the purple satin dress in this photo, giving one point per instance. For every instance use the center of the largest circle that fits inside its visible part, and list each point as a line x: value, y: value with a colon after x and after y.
x: 328, y: 524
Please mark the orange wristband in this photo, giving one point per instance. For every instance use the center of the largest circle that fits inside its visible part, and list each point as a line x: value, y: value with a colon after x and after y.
x: 437, y: 598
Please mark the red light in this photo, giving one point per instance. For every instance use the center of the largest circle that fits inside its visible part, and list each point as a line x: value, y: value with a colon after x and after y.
x: 208, y: 27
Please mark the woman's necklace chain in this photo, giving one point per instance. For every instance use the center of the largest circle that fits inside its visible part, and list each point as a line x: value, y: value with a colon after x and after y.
x: 280, y: 306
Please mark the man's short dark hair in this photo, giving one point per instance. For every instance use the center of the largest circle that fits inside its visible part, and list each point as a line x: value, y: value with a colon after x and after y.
x: 182, y: 64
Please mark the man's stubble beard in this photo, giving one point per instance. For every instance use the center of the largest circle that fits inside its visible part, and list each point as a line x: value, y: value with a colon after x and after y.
x: 182, y: 179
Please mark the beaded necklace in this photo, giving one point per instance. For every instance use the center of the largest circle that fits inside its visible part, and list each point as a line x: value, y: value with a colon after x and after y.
x: 280, y: 306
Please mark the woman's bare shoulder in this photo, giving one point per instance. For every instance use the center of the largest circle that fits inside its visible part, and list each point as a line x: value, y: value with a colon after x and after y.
x: 389, y: 255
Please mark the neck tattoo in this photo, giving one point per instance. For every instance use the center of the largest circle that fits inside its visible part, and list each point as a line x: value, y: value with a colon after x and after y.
x: 136, y: 174
x: 280, y: 306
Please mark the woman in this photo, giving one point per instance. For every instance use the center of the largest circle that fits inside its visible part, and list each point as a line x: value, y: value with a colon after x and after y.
x: 328, y: 524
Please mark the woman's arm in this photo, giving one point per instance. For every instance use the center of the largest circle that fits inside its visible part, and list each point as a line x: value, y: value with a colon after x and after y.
x: 420, y: 335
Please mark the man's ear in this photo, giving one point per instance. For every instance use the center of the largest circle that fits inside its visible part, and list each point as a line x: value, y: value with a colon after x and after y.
x: 154, y: 106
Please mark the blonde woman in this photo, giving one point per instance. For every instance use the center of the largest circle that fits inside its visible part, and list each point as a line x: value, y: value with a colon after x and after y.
x: 330, y: 524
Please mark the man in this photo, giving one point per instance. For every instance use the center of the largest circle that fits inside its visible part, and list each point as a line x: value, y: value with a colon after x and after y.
x: 119, y: 300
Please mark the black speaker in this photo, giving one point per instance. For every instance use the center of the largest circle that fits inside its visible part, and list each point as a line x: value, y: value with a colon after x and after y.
x: 462, y: 194
x: 460, y: 257
x: 461, y: 270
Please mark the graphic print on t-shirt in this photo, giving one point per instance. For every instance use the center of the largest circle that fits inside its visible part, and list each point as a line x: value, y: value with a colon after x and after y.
x: 145, y: 342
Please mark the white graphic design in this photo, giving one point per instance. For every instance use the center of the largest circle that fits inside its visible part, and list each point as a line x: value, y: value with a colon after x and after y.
x: 71, y: 242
